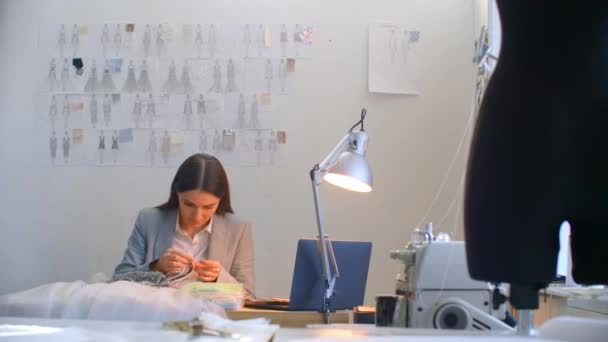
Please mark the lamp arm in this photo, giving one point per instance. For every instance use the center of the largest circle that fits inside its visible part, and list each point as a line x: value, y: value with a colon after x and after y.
x: 331, y: 158
x: 328, y: 259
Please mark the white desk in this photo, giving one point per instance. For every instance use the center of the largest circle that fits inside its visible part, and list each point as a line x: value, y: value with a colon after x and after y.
x: 560, y: 301
x: 81, y: 330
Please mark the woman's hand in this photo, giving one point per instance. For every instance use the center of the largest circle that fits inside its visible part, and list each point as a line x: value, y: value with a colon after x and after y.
x: 172, y: 261
x: 208, y: 270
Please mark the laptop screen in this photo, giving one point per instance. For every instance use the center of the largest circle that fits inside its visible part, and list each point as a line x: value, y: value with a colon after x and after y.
x: 307, y: 287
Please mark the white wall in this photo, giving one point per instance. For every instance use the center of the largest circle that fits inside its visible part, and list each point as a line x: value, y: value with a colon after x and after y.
x: 68, y: 223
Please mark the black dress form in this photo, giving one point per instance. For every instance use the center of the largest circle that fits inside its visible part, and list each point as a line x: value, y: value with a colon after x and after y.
x: 539, y: 151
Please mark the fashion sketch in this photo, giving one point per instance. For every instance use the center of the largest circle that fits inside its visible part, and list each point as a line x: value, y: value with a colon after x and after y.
x: 171, y: 85
x: 92, y: 85
x: 107, y: 83
x: 165, y: 148
x: 152, y: 148
x: 217, y: 78
x: 101, y: 147
x: 144, y: 84
x: 272, y: 146
x: 246, y: 39
x: 93, y: 109
x: 240, y: 119
x: 53, y: 147
x: 106, y: 107
x: 65, y: 75
x: 52, y: 76
x: 217, y: 141
x: 61, y: 40
x: 150, y: 111
x: 65, y: 146
x: 258, y: 148
x: 254, y: 121
x: 53, y: 111
x: 283, y: 75
x: 117, y: 39
x: 75, y: 40
x: 187, y: 112
x: 212, y: 40
x: 198, y: 40
x: 137, y: 111
x: 65, y: 111
x: 230, y: 76
x: 260, y: 39
x: 202, y: 141
x: 115, y: 146
x: 405, y: 45
x: 201, y: 110
x: 147, y: 40
x: 186, y: 83
x: 284, y: 40
x: 268, y: 75
x: 130, y: 85
x: 392, y: 45
x: 297, y: 39
x: 105, y: 39
x: 160, y: 41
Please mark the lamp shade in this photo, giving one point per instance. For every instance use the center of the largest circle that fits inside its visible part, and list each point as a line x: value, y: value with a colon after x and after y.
x: 351, y: 171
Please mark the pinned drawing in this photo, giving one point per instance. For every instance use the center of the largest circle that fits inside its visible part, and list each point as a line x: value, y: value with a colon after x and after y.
x: 201, y: 110
x: 53, y: 111
x: 65, y: 146
x: 93, y: 111
x: 143, y: 84
x: 147, y: 41
x: 117, y: 39
x: 105, y: 39
x: 115, y: 146
x: 107, y: 84
x: 165, y: 148
x: 52, y: 81
x: 65, y: 112
x: 53, y: 147
x: 198, y: 40
x: 65, y: 75
x: 152, y: 148
x: 187, y: 112
x: 92, y: 85
x: 130, y: 85
x: 393, y: 59
x: 101, y: 147
x: 106, y: 107
x: 254, y: 121
x: 137, y: 111
x: 61, y: 40
x: 150, y: 111
x: 75, y: 40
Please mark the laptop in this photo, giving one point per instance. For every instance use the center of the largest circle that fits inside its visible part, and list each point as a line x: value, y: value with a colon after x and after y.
x: 307, y: 286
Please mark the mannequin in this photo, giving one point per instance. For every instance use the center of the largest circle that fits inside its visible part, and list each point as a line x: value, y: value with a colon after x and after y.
x: 537, y: 156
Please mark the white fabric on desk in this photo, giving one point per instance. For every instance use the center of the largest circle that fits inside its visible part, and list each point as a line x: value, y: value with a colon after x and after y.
x: 121, y: 300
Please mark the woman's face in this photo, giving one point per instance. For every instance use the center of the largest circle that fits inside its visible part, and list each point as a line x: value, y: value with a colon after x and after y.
x: 196, y: 208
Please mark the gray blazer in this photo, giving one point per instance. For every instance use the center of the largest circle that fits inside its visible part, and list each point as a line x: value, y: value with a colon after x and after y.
x: 230, y: 243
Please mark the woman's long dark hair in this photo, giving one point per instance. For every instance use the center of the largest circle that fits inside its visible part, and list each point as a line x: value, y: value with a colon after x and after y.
x: 201, y: 172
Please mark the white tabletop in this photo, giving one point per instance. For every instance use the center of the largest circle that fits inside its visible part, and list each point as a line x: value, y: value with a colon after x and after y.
x: 90, y: 330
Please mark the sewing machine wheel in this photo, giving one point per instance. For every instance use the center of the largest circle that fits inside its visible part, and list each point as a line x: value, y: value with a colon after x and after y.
x: 451, y: 316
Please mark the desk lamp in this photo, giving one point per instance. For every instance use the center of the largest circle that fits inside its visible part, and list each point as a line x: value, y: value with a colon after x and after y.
x: 345, y: 166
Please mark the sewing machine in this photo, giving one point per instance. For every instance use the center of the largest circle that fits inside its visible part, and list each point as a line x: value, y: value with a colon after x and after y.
x: 436, y: 290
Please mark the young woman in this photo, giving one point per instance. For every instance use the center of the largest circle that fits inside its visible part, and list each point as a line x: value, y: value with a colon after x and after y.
x: 197, y: 227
